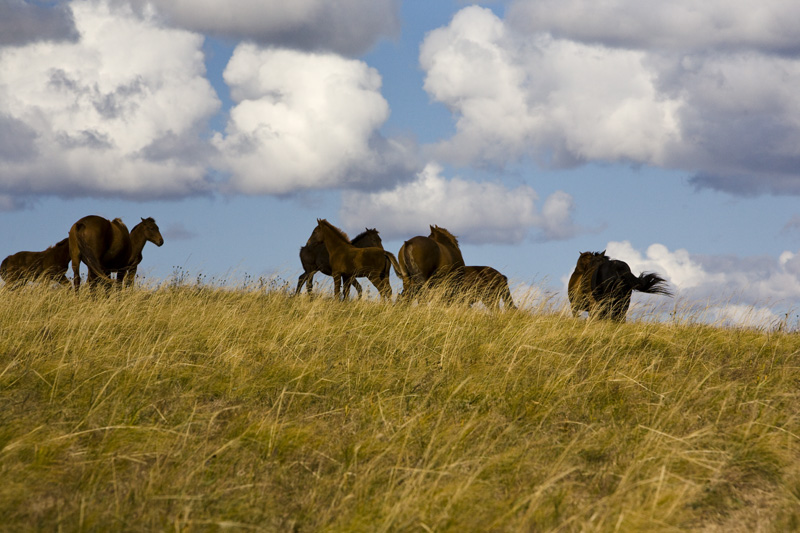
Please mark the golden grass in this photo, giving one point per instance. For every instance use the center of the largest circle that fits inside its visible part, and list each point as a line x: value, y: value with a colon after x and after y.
x: 193, y: 409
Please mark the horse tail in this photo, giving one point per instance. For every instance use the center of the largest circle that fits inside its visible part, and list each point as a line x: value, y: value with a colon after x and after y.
x: 397, y: 268
x: 413, y: 272
x: 652, y: 283
x: 88, y: 255
x: 4, y: 267
x: 506, y: 293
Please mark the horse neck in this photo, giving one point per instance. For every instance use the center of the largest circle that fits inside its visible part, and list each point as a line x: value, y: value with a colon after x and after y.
x: 332, y: 238
x: 450, y: 243
x: 138, y: 240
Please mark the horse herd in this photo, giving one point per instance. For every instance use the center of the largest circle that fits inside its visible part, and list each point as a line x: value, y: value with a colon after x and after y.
x: 599, y: 285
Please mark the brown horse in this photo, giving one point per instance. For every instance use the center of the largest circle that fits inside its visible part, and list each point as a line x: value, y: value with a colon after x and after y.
x: 48, y: 265
x: 602, y: 286
x: 348, y: 261
x: 106, y: 247
x: 315, y: 258
x: 487, y: 285
x: 429, y: 261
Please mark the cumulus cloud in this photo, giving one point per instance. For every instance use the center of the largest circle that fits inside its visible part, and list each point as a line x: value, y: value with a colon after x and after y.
x: 306, y: 120
x: 345, y: 26
x: 709, y: 89
x: 756, y: 291
x: 747, y: 280
x: 478, y: 212
x: 92, y: 117
x: 23, y: 23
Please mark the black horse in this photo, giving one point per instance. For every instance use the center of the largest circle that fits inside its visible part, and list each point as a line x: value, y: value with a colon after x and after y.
x: 315, y: 258
x: 603, y: 286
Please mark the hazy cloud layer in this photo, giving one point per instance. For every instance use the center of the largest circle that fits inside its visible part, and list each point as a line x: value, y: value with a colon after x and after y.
x: 23, y: 23
x: 477, y: 212
x: 710, y: 90
x: 305, y: 121
x: 92, y: 118
x: 344, y: 26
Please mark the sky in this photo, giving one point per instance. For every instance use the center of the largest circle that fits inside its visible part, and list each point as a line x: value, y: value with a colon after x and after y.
x: 667, y: 133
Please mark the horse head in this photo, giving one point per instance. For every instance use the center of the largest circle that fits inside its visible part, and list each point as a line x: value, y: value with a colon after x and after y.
x: 151, y: 231
x: 368, y: 237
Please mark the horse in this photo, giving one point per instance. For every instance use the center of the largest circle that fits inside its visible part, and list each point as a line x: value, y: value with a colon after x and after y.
x: 49, y: 265
x: 349, y: 261
x: 106, y: 246
x: 429, y: 261
x: 315, y: 258
x: 487, y: 285
x: 603, y: 286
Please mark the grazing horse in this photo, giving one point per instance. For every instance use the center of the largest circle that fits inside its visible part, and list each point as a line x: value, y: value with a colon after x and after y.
x: 603, y: 286
x: 315, y: 258
x: 50, y: 265
x: 487, y: 285
x: 429, y: 260
x: 348, y: 261
x: 106, y: 246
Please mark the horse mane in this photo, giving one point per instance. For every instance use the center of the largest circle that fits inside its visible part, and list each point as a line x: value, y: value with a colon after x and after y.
x: 59, y: 244
x: 363, y: 234
x: 442, y: 231
x: 336, y: 230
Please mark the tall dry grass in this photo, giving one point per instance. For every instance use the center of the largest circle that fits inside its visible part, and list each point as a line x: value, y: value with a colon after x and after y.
x: 195, y: 408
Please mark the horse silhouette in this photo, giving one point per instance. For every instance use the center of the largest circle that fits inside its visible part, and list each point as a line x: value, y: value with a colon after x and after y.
x: 348, y: 261
x: 602, y: 286
x: 106, y: 247
x: 487, y: 285
x: 48, y: 265
x: 315, y: 258
x: 430, y: 261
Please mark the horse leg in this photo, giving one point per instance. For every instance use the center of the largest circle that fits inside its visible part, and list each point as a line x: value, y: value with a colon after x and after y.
x: 306, y: 278
x: 76, y: 273
x: 357, y: 285
x: 337, y: 283
x: 382, y: 284
x: 346, y: 289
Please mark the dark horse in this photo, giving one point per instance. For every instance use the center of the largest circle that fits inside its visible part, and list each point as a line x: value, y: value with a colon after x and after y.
x: 348, y: 261
x: 315, y: 258
x: 430, y: 261
x: 106, y: 246
x: 603, y: 286
x: 50, y: 265
x: 487, y: 285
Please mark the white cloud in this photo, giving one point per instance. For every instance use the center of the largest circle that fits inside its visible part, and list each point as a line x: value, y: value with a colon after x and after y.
x: 707, y: 89
x: 92, y: 114
x: 477, y: 212
x: 559, y: 101
x: 305, y: 121
x: 754, y: 281
x: 344, y: 26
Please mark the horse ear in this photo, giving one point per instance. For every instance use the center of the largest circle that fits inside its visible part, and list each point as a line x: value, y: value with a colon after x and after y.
x: 604, y: 253
x: 142, y: 218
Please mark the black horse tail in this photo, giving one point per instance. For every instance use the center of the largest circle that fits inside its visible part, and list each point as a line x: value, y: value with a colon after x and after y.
x: 652, y: 283
x: 89, y: 257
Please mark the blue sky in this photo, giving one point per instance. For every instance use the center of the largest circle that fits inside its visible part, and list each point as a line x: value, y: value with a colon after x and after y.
x: 666, y: 133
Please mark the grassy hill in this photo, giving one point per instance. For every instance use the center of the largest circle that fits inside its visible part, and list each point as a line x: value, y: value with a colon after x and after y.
x: 202, y: 409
